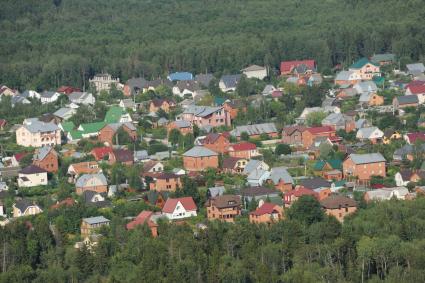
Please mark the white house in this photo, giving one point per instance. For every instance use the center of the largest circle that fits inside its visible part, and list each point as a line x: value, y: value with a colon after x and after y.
x: 49, y: 96
x: 255, y: 71
x: 104, y: 82
x: 179, y: 208
x: 85, y: 98
x: 153, y: 167
x: 32, y: 176
x: 258, y: 177
x: 371, y: 133
x: 387, y: 194
x: 25, y: 208
x: 188, y: 87
x: 400, y: 180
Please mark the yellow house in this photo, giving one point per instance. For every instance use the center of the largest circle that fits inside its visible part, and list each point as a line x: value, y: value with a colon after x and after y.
x: 25, y: 208
x: 390, y: 135
x: 366, y: 69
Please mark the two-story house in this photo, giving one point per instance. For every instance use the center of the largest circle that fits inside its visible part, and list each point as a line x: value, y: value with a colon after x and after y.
x: 179, y: 208
x: 363, y: 166
x: 46, y: 158
x: 37, y: 134
x: 224, y: 208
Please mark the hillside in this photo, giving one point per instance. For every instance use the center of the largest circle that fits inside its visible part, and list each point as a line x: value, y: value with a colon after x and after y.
x: 49, y: 43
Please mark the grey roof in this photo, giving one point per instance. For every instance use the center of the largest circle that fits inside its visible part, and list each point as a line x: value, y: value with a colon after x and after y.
x: 141, y: 155
x: 256, y: 129
x: 268, y: 89
x: 216, y: 191
x: 48, y: 94
x: 365, y: 97
x: 95, y: 220
x: 251, y: 166
x: 190, y: 85
x: 82, y: 181
x: 201, y: 111
x: 333, y: 119
x: 128, y: 103
x: 63, y: 112
x: 407, y: 99
x: 252, y: 68
x: 416, y: 67
x: 182, y: 124
x: 230, y: 81
x: 366, y: 86
x: 204, y: 79
x: 136, y: 84
x: 23, y: 204
x: 280, y: 173
x: 32, y: 169
x: 199, y: 151
x: 360, y: 123
x: 367, y: 132
x: 343, y: 75
x: 116, y: 126
x: 367, y: 158
x: 315, y: 183
x: 377, y: 58
x: 258, y: 191
x: 42, y: 152
x: 257, y: 174
x: 19, y: 99
x: 35, y: 126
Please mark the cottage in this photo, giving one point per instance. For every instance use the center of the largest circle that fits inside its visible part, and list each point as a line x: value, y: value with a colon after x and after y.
x: 77, y: 169
x: 84, y: 98
x: 415, y: 69
x: 180, y: 76
x: 205, y: 116
x: 281, y: 179
x: 364, y: 166
x: 233, y: 107
x: 200, y: 158
x: 294, y: 67
x: 123, y: 156
x: 163, y: 104
x: 215, y: 192
x: 116, y: 114
x: 46, y: 158
x: 347, y: 78
x: 339, y: 206
x: 292, y: 196
x: 365, y: 87
x: 204, y: 80
x: 372, y: 134
x: 255, y: 130
x: 25, y: 207
x: 216, y: 142
x: 229, y: 83
x: 319, y: 185
x: 258, y: 193
x: 257, y: 177
x: 266, y: 213
x: 255, y: 71
x: 383, y: 59
x: 186, y: 88
x: 339, y: 121
x: 168, y: 182
x: 184, y: 127
x: 310, y: 134
x: 411, y: 138
x: 245, y: 150
x: 253, y: 165
x: 406, y: 176
x: 49, y: 96
x: 101, y: 153
x: 234, y: 165
x: 134, y: 86
x: 390, y: 135
x: 224, y: 208
x: 179, y: 208
x: 371, y: 99
x: 94, y: 182
x: 95, y: 199
x: 146, y: 217
x: 400, y: 102
x: 104, y: 82
x: 366, y: 69
x: 37, y: 134
x: 65, y: 113
x: 292, y: 135
x: 128, y: 103
x: 386, y: 194
x: 90, y: 225
x: 108, y: 136
x: 32, y: 176
x: 152, y: 166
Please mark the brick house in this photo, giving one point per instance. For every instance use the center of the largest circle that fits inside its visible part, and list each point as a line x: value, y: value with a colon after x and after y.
x: 233, y: 107
x: 77, y: 169
x: 281, y: 179
x: 364, y: 166
x: 164, y: 104
x: 123, y: 156
x: 184, y: 127
x: 310, y: 134
x: 290, y: 67
x: 145, y: 217
x: 200, y: 158
x: 338, y: 206
x: 234, y: 165
x: 224, y: 208
x: 245, y: 150
x: 319, y: 185
x: 90, y: 225
x: 216, y: 142
x: 91, y: 182
x: 46, y: 158
x: 405, y: 101
x: 203, y: 116
x: 100, y: 153
x: 107, y: 133
x: 165, y: 182
x: 292, y: 135
x: 290, y: 197
x: 266, y: 213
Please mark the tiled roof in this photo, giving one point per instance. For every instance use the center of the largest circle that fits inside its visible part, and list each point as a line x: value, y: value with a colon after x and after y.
x: 100, y: 152
x: 287, y: 66
x: 225, y: 201
x: 243, y: 146
x: 266, y: 208
x: 337, y: 201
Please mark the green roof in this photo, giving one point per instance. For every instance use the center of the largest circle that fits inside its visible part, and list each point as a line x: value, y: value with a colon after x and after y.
x: 319, y: 165
x: 361, y: 62
x: 383, y: 57
x: 219, y: 100
x: 92, y: 127
x: 68, y: 126
x: 379, y: 81
x: 334, y: 163
x: 114, y: 114
x: 76, y: 135
x: 340, y: 183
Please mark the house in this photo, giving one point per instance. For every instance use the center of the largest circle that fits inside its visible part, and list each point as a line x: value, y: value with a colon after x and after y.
x: 308, y: 110
x: 245, y: 150
x: 216, y: 142
x: 141, y: 156
x: 67, y: 90
x: 17, y: 99
x: 257, y: 177
x: 415, y: 69
x: 25, y: 207
x: 128, y: 104
x: 234, y: 165
x: 366, y: 69
x: 152, y: 85
x: 3, y: 124
x: 258, y: 193
x: 383, y: 59
x: 37, y: 134
x: 319, y: 185
x: 168, y: 182
x: 145, y: 217
x: 266, y: 213
x: 91, y: 224
x: 32, y: 176
x: 122, y: 156
x: 164, y: 104
x: 400, y: 102
x: 339, y: 121
x: 339, y: 206
x: 314, y: 80
x: 46, y: 158
x: 405, y: 176
x: 408, y: 151
x: 205, y: 116
x: 215, y: 192
x: 253, y: 165
x: 84, y: 98
x: 180, y: 76
x: 281, y: 179
x: 255, y: 71
x: 6, y: 91
x: 179, y: 208
x: 346, y: 93
x: 200, y: 158
x: 365, y: 87
x: 104, y: 82
x: 292, y: 135
x: 155, y: 198
x: 292, y: 67
x: 255, y: 130
x: 49, y: 96
x: 329, y: 169
x: 347, y: 78
x: 416, y: 88
x: 107, y: 134
x: 77, y: 169
x: 224, y: 208
x: 411, y: 138
x: 100, y: 153
x: 292, y: 196
x: 390, y: 135
x: 386, y: 194
x: 364, y: 166
x: 186, y: 88
x: 65, y: 113
x: 372, y: 134
x: 371, y: 99
x: 184, y: 127
x: 134, y: 86
x: 96, y: 199
x: 116, y: 114
x: 153, y: 167
x: 50, y: 118
x: 229, y: 83
x: 362, y: 123
x: 268, y: 90
x: 233, y: 107
x: 310, y: 134
x: 30, y: 94
x: 91, y: 182
x: 204, y: 80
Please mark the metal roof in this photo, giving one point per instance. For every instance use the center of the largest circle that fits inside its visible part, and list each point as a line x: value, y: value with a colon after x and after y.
x: 256, y: 129
x: 199, y: 151
x: 367, y: 158
x: 95, y: 220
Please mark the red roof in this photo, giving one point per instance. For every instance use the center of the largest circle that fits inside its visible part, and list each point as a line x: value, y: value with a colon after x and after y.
x: 243, y: 146
x: 100, y: 152
x: 277, y: 93
x: 378, y: 186
x: 19, y: 156
x: 171, y: 203
x: 287, y: 66
x: 417, y: 89
x: 415, y: 136
x: 266, y: 208
x: 320, y: 130
x: 141, y: 219
x: 65, y: 202
x: 3, y: 122
x: 67, y: 89
x: 301, y: 192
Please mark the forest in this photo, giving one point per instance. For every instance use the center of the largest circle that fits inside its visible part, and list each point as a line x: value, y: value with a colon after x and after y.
x: 49, y: 43
x: 382, y: 242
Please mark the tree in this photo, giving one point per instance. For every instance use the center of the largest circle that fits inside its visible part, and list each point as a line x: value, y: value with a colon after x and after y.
x: 174, y: 136
x: 244, y: 136
x: 315, y: 118
x: 282, y: 148
x: 121, y: 137
x: 306, y: 209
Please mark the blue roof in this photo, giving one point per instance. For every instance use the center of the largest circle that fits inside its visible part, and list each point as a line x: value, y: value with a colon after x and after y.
x: 180, y: 76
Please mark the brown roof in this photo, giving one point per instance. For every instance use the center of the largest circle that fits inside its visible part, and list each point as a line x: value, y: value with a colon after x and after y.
x: 158, y: 102
x: 224, y: 201
x: 32, y: 169
x: 291, y: 129
x: 230, y: 162
x: 258, y: 191
x: 337, y: 201
x: 88, y: 167
x: 123, y: 155
x: 149, y: 165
